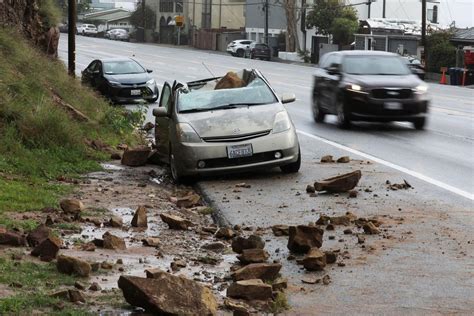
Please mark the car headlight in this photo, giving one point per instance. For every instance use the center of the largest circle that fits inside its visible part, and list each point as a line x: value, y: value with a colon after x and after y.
x: 356, y: 87
x: 114, y: 83
x: 282, y: 122
x: 421, y: 88
x: 186, y: 134
x: 150, y: 82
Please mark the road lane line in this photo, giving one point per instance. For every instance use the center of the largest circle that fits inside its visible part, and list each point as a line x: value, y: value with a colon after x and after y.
x: 412, y: 173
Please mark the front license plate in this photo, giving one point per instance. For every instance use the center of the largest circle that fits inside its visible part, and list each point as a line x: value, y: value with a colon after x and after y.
x: 238, y: 151
x: 393, y: 105
x: 135, y: 92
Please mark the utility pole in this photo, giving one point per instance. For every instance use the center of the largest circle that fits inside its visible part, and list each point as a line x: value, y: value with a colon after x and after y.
x: 144, y: 19
x: 383, y: 9
x: 266, y: 22
x: 423, y: 31
x: 71, y: 48
x: 369, y: 3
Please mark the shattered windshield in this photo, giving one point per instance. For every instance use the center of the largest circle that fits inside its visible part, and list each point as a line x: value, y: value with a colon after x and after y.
x: 209, y: 97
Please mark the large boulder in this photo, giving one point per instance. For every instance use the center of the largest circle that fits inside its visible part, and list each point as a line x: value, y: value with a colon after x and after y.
x: 263, y: 271
x: 342, y: 183
x: 188, y: 201
x: 252, y: 242
x: 315, y: 260
x: 175, y: 222
x: 47, y: 249
x: 253, y: 256
x: 71, y: 265
x: 37, y: 235
x: 302, y: 238
x: 113, y: 242
x: 11, y: 238
x: 168, y: 295
x: 140, y: 217
x: 136, y: 157
x: 253, y: 289
x: 71, y: 206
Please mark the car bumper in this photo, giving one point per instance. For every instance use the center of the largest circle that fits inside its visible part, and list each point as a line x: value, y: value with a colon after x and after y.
x: 362, y: 107
x: 215, y: 155
x: 123, y: 94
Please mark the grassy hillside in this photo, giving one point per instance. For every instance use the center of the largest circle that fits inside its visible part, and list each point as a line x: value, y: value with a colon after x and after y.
x: 39, y: 139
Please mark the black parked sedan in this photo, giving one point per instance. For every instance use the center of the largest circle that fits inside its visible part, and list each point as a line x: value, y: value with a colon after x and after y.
x: 261, y: 51
x: 121, y: 80
x: 368, y: 86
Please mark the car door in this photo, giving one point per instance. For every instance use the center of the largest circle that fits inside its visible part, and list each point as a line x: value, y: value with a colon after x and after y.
x: 162, y: 124
x: 322, y: 79
x: 87, y: 73
x: 334, y: 76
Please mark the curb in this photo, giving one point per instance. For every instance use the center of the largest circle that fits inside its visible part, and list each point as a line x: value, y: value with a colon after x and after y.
x: 217, y: 215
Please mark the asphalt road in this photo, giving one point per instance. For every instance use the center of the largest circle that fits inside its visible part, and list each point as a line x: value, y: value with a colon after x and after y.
x: 441, y: 155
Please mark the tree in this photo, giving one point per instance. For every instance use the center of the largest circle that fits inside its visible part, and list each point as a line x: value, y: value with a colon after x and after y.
x: 137, y: 17
x: 82, y: 6
x: 344, y: 27
x: 292, y: 42
x: 441, y: 53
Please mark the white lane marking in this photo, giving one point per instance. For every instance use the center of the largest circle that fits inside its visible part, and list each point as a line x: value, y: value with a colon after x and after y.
x: 393, y: 166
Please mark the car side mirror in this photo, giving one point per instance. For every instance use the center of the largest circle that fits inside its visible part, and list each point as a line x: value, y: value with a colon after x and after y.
x: 149, y: 70
x: 333, y: 70
x: 288, y: 98
x: 160, y: 112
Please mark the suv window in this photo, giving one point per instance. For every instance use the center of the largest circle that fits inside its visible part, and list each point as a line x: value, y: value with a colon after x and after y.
x: 261, y: 46
x: 246, y: 42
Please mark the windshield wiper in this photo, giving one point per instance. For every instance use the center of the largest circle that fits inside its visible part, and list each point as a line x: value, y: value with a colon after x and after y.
x: 220, y: 107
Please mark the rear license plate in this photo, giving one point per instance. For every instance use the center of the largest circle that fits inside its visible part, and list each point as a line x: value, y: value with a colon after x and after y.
x: 135, y: 92
x: 237, y: 151
x: 393, y: 105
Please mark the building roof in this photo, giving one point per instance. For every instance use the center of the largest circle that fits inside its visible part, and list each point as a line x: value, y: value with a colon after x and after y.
x: 108, y: 15
x: 407, y: 27
x: 464, y: 35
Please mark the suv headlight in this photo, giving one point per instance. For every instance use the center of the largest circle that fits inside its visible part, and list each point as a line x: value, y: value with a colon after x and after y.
x: 187, y: 134
x: 151, y: 82
x: 114, y: 83
x: 282, y: 122
x: 421, y: 89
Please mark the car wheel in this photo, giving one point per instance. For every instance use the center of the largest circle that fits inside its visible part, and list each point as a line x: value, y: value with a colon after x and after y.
x: 240, y: 53
x: 343, y: 120
x: 83, y: 33
x: 178, y: 178
x: 419, y: 123
x: 294, y: 166
x: 252, y: 56
x: 318, y: 113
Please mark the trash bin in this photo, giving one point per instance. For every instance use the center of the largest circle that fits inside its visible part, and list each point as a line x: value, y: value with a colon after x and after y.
x: 469, y: 78
x: 452, y: 76
x: 459, y: 74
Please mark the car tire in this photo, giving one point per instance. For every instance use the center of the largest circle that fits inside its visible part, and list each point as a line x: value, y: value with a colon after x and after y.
x: 419, y: 123
x: 293, y: 167
x: 343, y: 120
x: 240, y: 53
x: 175, y: 175
x: 318, y: 113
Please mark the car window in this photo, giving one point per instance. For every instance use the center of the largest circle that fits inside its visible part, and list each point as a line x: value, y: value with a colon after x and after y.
x: 165, y: 96
x: 93, y: 66
x: 261, y: 46
x: 327, y: 61
x: 375, y: 65
x: 256, y: 92
x: 122, y: 67
x: 246, y: 42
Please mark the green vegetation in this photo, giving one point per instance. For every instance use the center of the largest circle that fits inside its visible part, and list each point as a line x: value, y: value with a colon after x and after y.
x: 36, y: 282
x: 441, y: 53
x: 279, y: 304
x: 39, y: 139
x: 69, y: 226
x: 49, y: 12
x: 206, y: 211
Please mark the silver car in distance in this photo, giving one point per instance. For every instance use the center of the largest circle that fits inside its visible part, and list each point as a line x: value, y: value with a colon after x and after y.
x: 225, y: 125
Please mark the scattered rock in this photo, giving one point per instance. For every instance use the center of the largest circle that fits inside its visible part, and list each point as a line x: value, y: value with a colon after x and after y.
x: 76, y: 296
x: 140, y: 217
x: 238, y: 308
x: 327, y: 159
x: 168, y: 294
x: 252, y: 242
x: 310, y: 189
x: 135, y: 157
x: 347, y: 231
x: 303, y: 237
x: 151, y: 241
x: 106, y: 265
x: 331, y: 257
x: 310, y: 280
x: 353, y: 193
x: 323, y: 220
x: 360, y: 239
x: 263, y: 271
x: 370, y: 228
x: 116, y: 221
x: 148, y: 126
x: 71, y: 206
x: 113, y: 242
x: 47, y: 249
x: 399, y: 186
x: 115, y: 156
x: 95, y: 287
x: 225, y: 233
x: 175, y: 222
x: 90, y: 246
x: 79, y: 285
x: 315, y: 260
x: 71, y: 265
x: 340, y: 220
x: 326, y: 279
x: 340, y: 183
x: 243, y: 185
x: 344, y: 159
x: 253, y: 256
x: 280, y: 230
x: 330, y: 227
x: 39, y: 234
x: 61, y: 294
x: 214, y: 246
x: 11, y: 239
x: 154, y: 273
x: 253, y: 289
x: 176, y: 265
x: 188, y: 201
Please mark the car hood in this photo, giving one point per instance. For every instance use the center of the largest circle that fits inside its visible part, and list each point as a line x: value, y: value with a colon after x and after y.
x: 408, y: 81
x: 233, y: 122
x: 129, y: 78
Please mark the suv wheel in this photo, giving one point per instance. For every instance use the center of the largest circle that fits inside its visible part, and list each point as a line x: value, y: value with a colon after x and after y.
x: 419, y: 123
x: 240, y: 52
x: 318, y: 113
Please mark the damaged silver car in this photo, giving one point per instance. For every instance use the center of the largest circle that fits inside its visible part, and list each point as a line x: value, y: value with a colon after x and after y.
x: 225, y: 125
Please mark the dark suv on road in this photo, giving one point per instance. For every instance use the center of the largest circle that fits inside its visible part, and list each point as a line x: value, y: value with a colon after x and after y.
x: 368, y: 86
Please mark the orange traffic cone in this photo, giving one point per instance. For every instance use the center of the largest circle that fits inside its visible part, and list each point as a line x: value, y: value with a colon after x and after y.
x: 443, y: 76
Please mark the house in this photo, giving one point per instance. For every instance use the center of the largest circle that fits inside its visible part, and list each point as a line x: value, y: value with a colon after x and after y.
x: 99, y: 5
x: 255, y: 21
x: 109, y: 19
x: 463, y: 37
